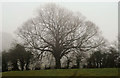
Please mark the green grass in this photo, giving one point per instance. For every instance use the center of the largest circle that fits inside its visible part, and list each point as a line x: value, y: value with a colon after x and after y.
x: 65, y: 72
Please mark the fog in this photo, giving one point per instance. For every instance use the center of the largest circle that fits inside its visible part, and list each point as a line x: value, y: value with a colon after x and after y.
x: 103, y: 14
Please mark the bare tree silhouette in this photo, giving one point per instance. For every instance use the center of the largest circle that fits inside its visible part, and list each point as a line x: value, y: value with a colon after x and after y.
x: 59, y: 31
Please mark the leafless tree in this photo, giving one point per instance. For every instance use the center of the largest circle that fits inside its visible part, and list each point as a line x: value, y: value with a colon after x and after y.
x: 59, y: 31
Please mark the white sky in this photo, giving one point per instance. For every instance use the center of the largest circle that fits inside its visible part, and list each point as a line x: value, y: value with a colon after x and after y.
x: 103, y: 14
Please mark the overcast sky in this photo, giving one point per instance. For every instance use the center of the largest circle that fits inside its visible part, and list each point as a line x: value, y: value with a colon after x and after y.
x: 103, y: 14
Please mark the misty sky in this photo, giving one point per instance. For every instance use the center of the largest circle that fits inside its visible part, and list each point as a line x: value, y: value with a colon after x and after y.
x: 103, y: 14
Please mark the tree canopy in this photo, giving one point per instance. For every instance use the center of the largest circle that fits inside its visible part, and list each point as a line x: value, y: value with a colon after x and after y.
x: 59, y: 31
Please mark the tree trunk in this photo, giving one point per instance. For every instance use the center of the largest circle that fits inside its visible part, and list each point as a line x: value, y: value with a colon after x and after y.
x: 68, y: 63
x: 78, y: 62
x: 4, y: 67
x: 27, y: 64
x: 56, y: 55
x: 97, y: 65
x: 22, y: 66
x: 58, y: 63
x: 15, y: 66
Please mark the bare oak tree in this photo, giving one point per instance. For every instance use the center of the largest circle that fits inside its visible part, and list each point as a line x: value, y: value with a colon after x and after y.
x: 59, y: 31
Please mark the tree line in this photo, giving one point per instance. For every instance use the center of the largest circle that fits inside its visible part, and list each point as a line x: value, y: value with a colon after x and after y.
x: 104, y: 60
x: 18, y: 58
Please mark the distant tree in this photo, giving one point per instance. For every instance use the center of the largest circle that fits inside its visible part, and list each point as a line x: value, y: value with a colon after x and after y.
x: 19, y: 54
x: 95, y: 60
x: 79, y: 56
x: 103, y: 60
x: 112, y: 57
x: 20, y: 50
x: 5, y: 61
x: 118, y: 61
x: 28, y: 57
x: 58, y: 31
x: 68, y: 61
x: 13, y: 55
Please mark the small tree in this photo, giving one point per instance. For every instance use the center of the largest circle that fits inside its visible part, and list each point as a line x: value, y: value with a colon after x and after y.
x: 13, y: 55
x: 28, y: 57
x: 5, y: 61
x: 18, y: 53
x: 112, y: 57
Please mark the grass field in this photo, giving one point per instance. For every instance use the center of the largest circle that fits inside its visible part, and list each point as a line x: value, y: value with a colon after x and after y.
x: 65, y: 72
